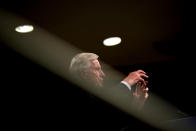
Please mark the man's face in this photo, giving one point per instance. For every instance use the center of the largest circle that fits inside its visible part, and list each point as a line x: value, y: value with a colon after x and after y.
x: 97, y: 73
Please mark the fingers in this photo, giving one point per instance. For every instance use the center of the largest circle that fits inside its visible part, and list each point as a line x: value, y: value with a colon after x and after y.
x: 143, y: 76
x: 141, y: 71
x: 146, y: 96
x: 143, y: 82
x: 139, y: 84
x: 142, y: 87
x: 145, y: 90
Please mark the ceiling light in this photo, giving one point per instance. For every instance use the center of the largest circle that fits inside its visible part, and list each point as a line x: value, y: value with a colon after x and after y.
x: 112, y: 41
x: 24, y: 28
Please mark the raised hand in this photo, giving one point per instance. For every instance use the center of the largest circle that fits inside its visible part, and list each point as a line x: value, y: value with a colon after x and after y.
x: 135, y: 77
x: 140, y: 95
x: 141, y: 91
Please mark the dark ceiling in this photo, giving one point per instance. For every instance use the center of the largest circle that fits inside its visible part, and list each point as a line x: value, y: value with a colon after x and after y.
x: 151, y: 31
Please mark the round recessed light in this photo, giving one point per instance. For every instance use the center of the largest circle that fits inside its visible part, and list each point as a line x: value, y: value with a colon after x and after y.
x: 24, y: 28
x: 112, y: 41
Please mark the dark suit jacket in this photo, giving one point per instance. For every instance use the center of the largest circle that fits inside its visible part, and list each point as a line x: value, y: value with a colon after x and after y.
x: 79, y: 110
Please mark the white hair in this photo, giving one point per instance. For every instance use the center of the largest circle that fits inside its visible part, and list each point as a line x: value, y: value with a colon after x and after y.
x: 82, y: 61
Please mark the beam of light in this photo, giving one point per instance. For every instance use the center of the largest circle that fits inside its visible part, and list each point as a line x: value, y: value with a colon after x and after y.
x: 55, y: 54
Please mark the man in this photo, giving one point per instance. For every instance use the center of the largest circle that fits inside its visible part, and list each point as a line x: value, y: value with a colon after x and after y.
x: 87, y: 67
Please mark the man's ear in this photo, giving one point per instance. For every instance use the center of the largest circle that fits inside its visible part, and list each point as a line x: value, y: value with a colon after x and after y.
x: 84, y: 73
